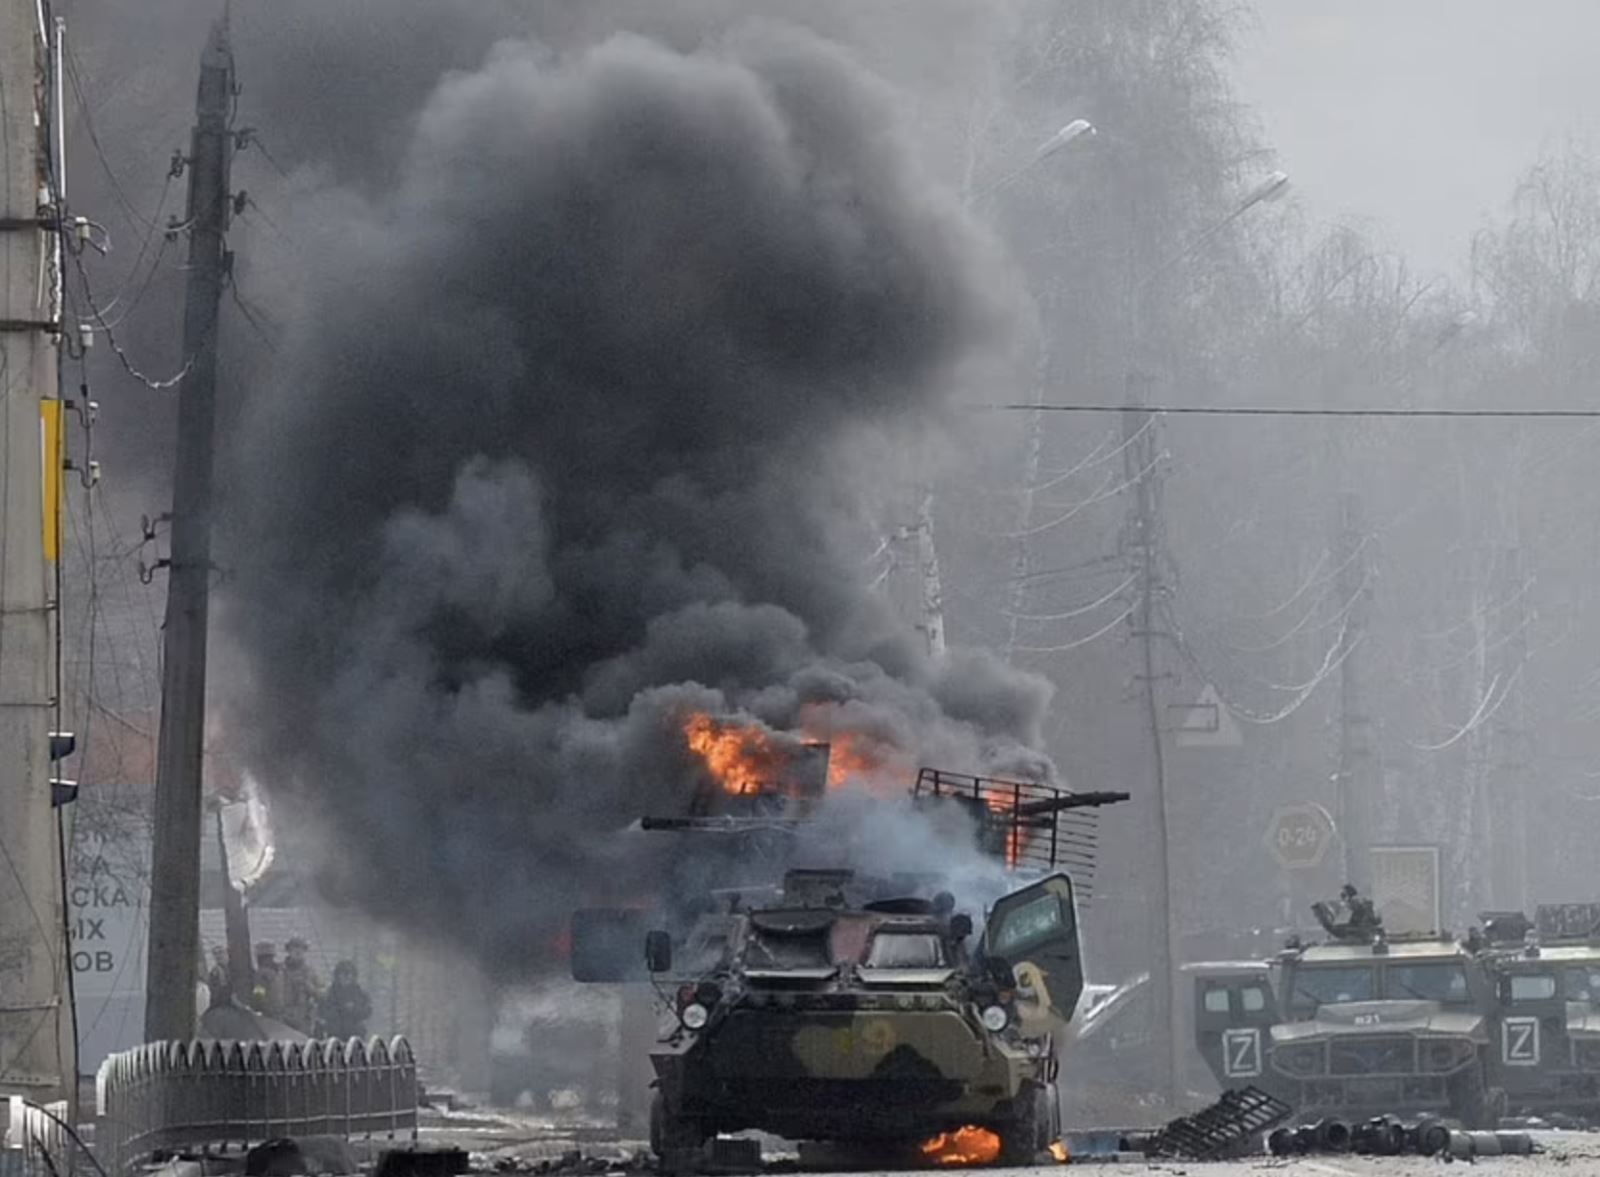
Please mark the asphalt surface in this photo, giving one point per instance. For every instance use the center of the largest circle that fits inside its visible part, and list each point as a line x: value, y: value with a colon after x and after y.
x: 1570, y: 1154
x: 527, y: 1142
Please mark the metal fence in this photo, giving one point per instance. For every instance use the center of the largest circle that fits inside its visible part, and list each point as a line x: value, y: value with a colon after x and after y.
x: 205, y: 1095
x: 29, y: 1135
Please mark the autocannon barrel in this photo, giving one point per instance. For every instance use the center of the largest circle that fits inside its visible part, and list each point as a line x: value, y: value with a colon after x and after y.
x: 1069, y: 801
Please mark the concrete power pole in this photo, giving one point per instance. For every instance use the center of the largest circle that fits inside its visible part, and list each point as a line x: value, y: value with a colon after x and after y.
x: 1141, y: 437
x: 36, y: 1048
x: 930, y: 581
x: 1358, y: 773
x: 175, y: 863
x: 1507, y: 816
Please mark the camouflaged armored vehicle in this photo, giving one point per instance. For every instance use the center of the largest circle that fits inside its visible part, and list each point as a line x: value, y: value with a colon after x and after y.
x: 844, y: 1012
x: 822, y: 1005
x: 1361, y: 1026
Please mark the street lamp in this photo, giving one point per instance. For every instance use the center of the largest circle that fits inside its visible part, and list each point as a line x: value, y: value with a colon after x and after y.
x: 1076, y: 129
x: 927, y: 553
x: 1073, y: 131
x: 1269, y: 190
x: 1142, y: 454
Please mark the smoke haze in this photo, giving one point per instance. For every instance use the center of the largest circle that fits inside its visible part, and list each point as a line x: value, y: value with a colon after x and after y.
x: 575, y: 345
x: 556, y: 453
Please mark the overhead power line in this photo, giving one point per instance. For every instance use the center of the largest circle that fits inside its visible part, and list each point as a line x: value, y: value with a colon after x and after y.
x: 1285, y: 411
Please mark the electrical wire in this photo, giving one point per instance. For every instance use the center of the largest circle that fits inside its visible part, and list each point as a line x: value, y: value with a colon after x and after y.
x: 1311, y: 579
x: 1482, y: 614
x: 73, y: 77
x: 1080, y: 610
x: 144, y: 287
x: 1100, y: 495
x: 1301, y: 627
x: 111, y: 338
x: 1081, y: 642
x: 1481, y: 716
x: 1288, y: 411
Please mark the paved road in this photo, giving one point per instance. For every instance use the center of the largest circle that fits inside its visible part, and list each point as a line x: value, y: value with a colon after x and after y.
x: 528, y: 1141
x: 1567, y: 1154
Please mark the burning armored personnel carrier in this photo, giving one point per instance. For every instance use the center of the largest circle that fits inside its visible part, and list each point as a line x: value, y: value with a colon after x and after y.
x: 828, y: 1005
x: 853, y: 1009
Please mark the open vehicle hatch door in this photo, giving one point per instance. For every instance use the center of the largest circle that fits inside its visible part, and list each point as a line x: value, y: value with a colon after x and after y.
x: 1035, y: 931
x: 608, y: 945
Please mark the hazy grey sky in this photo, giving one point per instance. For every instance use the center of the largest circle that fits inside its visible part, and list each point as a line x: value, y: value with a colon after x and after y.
x: 1414, y: 118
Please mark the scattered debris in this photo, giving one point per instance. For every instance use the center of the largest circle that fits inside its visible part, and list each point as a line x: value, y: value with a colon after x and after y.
x: 1386, y: 1136
x: 303, y: 1156
x: 1228, y: 1127
x: 422, y: 1162
x: 1466, y: 1146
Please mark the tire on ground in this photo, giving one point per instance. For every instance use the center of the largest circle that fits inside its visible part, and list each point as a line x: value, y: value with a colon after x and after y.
x: 676, y: 1140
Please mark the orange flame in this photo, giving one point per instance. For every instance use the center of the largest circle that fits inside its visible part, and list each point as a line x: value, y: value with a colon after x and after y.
x: 964, y: 1146
x: 1000, y: 803
x: 850, y: 757
x: 1059, y: 1152
x: 741, y: 758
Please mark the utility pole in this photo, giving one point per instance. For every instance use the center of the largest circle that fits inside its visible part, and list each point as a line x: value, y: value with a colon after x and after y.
x: 36, y: 1047
x: 1141, y: 440
x: 175, y: 862
x: 1358, y: 754
x: 931, y: 582
x: 1507, y: 819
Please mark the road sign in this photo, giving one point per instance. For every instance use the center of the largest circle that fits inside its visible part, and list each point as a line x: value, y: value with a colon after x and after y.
x: 1205, y: 723
x: 1405, y: 887
x: 1298, y: 835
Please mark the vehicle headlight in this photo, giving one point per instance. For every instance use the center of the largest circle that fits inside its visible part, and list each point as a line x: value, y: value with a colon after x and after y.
x: 995, y: 1018
x: 695, y: 1015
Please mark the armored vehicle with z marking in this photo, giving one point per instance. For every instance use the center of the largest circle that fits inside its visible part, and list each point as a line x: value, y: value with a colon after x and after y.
x: 1360, y: 1026
x: 1547, y: 973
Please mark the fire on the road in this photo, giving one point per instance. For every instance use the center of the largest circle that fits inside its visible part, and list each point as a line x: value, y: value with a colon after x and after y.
x: 964, y: 1146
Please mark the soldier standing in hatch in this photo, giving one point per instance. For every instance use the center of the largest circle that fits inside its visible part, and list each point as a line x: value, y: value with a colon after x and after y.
x: 267, y: 996
x: 345, y: 1006
x: 300, y: 988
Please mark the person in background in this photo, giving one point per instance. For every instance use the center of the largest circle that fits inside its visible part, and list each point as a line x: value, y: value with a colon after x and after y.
x: 202, y: 992
x: 301, y: 989
x: 345, y: 1007
x: 219, y: 980
x: 267, y: 996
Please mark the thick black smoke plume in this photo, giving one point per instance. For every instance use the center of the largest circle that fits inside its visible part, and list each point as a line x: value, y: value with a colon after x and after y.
x: 554, y: 454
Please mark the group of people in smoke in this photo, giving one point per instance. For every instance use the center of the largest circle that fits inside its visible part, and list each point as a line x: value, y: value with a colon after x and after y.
x: 292, y: 993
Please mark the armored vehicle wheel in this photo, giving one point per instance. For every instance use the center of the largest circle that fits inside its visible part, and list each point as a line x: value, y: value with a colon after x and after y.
x: 1052, y: 1118
x: 1497, y: 1106
x: 676, y: 1140
x: 1478, y: 1106
x: 1034, y: 1129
